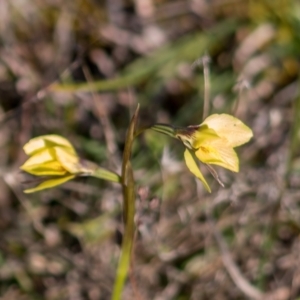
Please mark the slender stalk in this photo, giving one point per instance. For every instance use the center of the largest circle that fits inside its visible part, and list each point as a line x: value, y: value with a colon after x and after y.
x: 165, y: 129
x: 128, y: 211
x: 106, y: 175
x: 240, y: 87
x: 205, y: 62
x: 294, y: 135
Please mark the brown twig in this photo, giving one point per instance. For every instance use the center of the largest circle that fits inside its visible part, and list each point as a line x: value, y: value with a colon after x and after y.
x: 107, y: 128
x: 204, y: 61
x: 234, y: 272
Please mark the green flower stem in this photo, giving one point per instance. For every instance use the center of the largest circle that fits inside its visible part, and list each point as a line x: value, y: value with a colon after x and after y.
x: 165, y: 129
x: 128, y: 238
x: 161, y: 128
x: 294, y: 135
x: 106, y: 175
x: 128, y: 211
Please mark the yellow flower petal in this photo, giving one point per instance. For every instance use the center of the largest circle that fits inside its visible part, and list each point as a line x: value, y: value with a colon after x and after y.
x: 68, y: 160
x: 44, y: 141
x: 49, y: 184
x: 41, y: 157
x: 192, y: 166
x: 218, y: 153
x: 234, y: 131
x: 45, y: 169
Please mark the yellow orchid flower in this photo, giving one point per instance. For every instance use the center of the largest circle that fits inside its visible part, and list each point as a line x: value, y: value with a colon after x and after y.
x: 213, y: 142
x: 54, y: 157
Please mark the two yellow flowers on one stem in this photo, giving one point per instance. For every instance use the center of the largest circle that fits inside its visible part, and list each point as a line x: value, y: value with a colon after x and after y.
x: 212, y: 142
x: 54, y: 160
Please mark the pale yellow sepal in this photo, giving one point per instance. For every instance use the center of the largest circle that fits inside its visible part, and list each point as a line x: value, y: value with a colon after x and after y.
x: 217, y: 153
x: 52, y: 168
x: 68, y: 160
x: 41, y: 157
x: 49, y: 184
x: 232, y: 130
x: 46, y: 141
x: 52, y: 161
x: 192, y: 166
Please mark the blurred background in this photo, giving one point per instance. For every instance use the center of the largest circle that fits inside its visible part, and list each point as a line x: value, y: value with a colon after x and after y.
x: 79, y: 68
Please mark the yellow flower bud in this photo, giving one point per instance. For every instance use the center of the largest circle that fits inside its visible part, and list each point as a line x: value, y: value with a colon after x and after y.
x: 52, y: 156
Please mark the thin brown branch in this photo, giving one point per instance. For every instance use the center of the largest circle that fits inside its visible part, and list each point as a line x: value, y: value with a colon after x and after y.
x: 234, y: 272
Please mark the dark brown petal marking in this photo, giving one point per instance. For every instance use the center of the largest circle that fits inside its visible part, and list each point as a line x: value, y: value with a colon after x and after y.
x: 187, y: 131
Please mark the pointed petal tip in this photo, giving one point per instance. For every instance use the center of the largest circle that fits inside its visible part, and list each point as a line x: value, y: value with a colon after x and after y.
x: 194, y: 169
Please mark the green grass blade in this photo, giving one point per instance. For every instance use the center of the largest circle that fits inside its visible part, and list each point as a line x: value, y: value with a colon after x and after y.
x: 188, y: 48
